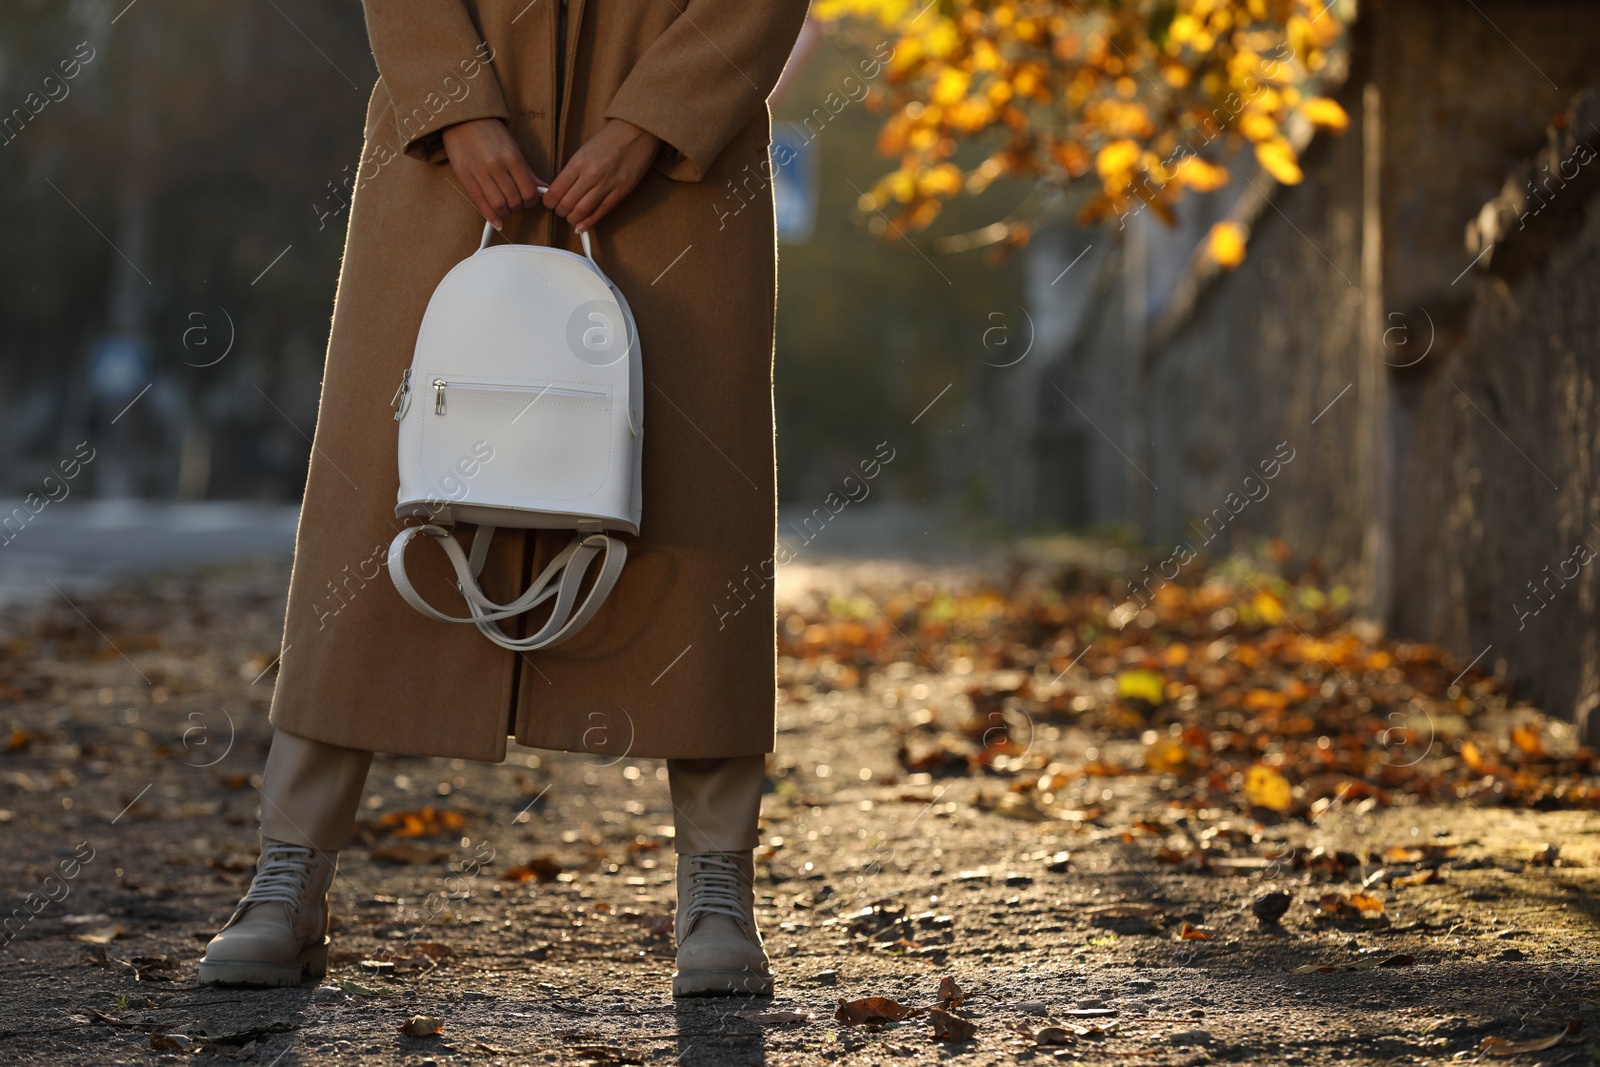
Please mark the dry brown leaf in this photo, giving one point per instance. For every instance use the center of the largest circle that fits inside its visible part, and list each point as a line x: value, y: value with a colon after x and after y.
x: 950, y: 994
x: 421, y: 1026
x: 426, y: 821
x: 1051, y: 1035
x: 1526, y: 737
x: 1097, y: 1029
x: 544, y: 868
x: 773, y: 1018
x: 947, y: 1027
x: 102, y: 935
x: 874, y: 1011
x: 1354, y: 906
x: 1500, y: 1046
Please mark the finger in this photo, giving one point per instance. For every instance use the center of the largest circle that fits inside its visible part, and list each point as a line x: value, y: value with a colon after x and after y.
x: 589, y: 208
x: 479, y: 200
x: 506, y: 186
x: 558, y: 188
x: 493, y: 194
x: 527, y: 183
x: 582, y: 185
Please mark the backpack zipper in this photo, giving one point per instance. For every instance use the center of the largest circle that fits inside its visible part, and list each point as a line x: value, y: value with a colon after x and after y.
x: 440, y: 384
x: 401, y: 400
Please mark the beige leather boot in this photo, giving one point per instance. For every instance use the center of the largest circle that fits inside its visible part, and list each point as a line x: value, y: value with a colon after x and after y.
x: 719, y: 948
x: 278, y: 934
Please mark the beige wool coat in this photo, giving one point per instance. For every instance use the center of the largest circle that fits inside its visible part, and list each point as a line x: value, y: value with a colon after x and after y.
x: 680, y: 660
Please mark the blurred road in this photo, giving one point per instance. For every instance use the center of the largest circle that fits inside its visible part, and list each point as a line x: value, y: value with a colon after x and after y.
x: 79, y: 546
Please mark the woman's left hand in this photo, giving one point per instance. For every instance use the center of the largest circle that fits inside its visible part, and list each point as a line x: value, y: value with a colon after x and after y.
x: 601, y: 172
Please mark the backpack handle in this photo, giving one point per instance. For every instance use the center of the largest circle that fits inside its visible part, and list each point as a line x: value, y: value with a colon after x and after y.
x: 488, y: 231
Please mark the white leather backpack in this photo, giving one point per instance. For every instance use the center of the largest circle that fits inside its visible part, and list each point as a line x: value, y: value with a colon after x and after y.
x: 523, y: 407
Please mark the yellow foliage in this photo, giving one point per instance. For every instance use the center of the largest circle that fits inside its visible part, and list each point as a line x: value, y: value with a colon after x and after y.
x: 1147, y: 686
x: 1201, y: 176
x: 1266, y: 788
x: 1085, y: 88
x: 1167, y: 754
x: 950, y: 86
x: 1325, y: 113
x: 1115, y: 160
x: 1257, y: 126
x: 1278, y: 157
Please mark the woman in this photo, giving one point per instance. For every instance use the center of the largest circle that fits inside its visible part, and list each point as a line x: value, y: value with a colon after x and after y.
x: 649, y: 119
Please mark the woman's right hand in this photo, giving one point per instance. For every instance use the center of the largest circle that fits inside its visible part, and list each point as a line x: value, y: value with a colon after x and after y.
x: 491, y: 167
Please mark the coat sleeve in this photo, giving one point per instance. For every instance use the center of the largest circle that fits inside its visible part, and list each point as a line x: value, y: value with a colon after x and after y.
x: 436, y: 68
x: 707, y: 77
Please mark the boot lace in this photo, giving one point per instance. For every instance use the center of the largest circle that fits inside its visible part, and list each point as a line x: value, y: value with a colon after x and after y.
x: 715, y: 888
x: 283, y: 875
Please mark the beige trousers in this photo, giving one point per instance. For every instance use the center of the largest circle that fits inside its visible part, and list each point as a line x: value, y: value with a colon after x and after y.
x: 311, y: 791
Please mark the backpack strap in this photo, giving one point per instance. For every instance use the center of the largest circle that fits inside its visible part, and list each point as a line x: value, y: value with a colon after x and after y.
x: 560, y: 578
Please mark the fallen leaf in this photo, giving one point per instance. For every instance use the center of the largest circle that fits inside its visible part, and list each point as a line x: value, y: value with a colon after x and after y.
x: 356, y: 989
x: 947, y: 1027
x: 1354, y: 906
x: 1366, y: 903
x: 153, y: 968
x: 773, y: 1018
x: 950, y: 994
x: 873, y: 1011
x: 1266, y: 788
x: 1166, y: 755
x: 1500, y: 1046
x: 1526, y: 737
x: 102, y: 935
x: 421, y: 1026
x: 1194, y: 933
x: 1420, y: 878
x: 1147, y: 686
x: 1097, y: 1029
x: 427, y: 821
x: 544, y: 868
x: 1051, y: 1035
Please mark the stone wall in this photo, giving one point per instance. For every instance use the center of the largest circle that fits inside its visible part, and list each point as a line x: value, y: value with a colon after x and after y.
x: 1440, y: 408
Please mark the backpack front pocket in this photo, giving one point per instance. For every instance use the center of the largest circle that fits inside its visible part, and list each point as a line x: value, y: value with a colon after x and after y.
x: 549, y: 440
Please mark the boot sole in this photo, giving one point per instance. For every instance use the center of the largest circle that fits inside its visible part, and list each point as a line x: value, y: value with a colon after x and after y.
x: 313, y: 963
x: 721, y: 983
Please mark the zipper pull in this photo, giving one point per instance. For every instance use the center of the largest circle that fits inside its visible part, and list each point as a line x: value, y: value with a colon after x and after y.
x: 402, y: 396
x: 438, y: 395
